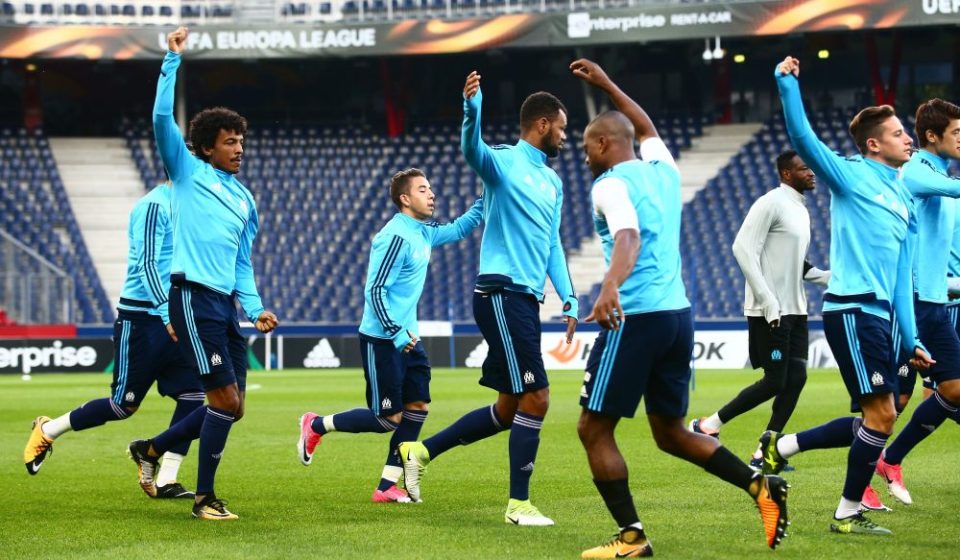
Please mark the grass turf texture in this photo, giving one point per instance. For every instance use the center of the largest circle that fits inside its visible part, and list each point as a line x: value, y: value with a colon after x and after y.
x: 85, y: 502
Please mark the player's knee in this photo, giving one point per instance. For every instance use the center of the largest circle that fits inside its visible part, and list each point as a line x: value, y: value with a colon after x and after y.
x: 418, y: 406
x: 536, y: 402
x: 798, y: 378
x: 775, y: 380
x: 950, y: 391
x: 665, y: 442
x: 394, y: 419
x: 585, y: 430
x: 669, y: 436
x: 131, y: 410
x: 902, y: 402
x: 882, y: 420
x: 231, y: 405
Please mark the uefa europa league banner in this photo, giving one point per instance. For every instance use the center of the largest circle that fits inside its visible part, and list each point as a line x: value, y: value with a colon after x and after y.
x: 409, y: 37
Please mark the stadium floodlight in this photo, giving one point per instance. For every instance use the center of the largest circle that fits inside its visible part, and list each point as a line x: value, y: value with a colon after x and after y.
x: 739, y: 58
x: 717, y: 51
x: 823, y: 54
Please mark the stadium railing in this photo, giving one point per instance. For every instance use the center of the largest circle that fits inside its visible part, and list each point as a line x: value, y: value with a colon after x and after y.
x: 32, y: 289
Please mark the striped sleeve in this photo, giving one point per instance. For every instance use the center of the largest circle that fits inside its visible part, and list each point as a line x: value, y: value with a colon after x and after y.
x: 155, y: 230
x: 386, y: 260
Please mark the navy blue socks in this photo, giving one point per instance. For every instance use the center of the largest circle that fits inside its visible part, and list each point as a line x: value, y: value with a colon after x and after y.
x: 524, y: 443
x: 356, y: 421
x: 213, y: 439
x: 472, y: 426
x: 862, y: 461
x: 409, y: 430
x: 96, y: 413
x: 835, y: 433
x: 926, y: 418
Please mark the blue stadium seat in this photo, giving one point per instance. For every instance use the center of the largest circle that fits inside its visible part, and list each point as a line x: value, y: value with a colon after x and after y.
x: 30, y: 191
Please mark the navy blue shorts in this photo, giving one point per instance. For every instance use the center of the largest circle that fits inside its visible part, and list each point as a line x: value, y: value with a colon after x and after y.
x: 143, y: 353
x: 862, y: 344
x: 393, y: 378
x: 649, y: 357
x: 936, y: 327
x: 209, y: 334
x: 510, y: 323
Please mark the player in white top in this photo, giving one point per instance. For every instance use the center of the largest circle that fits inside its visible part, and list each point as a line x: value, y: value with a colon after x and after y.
x: 771, y: 249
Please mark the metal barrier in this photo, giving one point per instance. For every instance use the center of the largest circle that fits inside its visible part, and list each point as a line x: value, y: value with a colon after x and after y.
x: 32, y: 289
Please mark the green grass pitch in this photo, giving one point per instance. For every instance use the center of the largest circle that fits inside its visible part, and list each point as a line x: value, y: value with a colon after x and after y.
x: 85, y: 502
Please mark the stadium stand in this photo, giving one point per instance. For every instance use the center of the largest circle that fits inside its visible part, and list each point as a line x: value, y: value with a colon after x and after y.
x: 321, y: 195
x: 34, y: 210
x: 127, y: 13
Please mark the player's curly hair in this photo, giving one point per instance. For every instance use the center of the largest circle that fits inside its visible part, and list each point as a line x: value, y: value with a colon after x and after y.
x: 206, y: 125
x: 934, y: 116
x: 539, y: 105
x: 868, y: 123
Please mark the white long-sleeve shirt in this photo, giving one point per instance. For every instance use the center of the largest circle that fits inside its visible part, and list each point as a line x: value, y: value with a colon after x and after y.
x: 771, y: 249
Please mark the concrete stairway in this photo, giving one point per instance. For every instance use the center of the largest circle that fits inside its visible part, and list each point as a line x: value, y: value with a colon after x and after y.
x: 710, y: 153
x: 707, y: 155
x: 102, y: 184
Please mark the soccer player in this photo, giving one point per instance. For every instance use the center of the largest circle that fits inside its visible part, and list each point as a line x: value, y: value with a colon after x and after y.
x: 771, y: 249
x: 144, y: 350
x: 644, y: 350
x: 522, y: 198
x: 395, y: 363
x: 938, y: 133
x: 873, y: 234
x: 214, y: 223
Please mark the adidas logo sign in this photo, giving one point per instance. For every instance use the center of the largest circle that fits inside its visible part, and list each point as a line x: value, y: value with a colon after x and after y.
x: 321, y: 356
x: 216, y: 360
x: 477, y: 355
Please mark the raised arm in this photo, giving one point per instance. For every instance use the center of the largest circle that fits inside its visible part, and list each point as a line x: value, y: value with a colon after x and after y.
x: 747, y: 249
x: 559, y: 273
x: 386, y: 258
x: 155, y: 228
x: 824, y: 161
x: 593, y: 74
x: 459, y: 228
x: 478, y: 154
x: 177, y: 159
